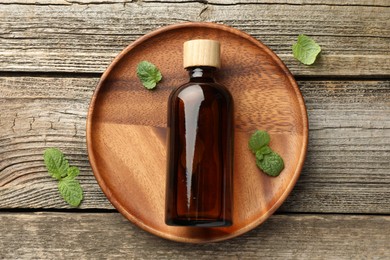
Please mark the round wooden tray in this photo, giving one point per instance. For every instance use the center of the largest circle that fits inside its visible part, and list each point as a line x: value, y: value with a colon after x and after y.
x: 126, y: 128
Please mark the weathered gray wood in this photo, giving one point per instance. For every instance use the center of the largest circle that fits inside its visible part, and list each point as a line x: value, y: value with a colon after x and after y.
x: 108, y: 235
x: 297, y: 2
x: 84, y: 36
x: 347, y: 167
x: 210, y: 2
x: 37, y: 113
x: 348, y: 159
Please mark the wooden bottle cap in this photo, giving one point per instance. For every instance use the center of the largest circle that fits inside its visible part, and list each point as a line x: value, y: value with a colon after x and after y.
x: 201, y: 53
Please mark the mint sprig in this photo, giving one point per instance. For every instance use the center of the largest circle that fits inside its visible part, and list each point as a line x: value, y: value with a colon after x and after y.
x: 258, y: 140
x: 70, y: 190
x: 267, y: 160
x: 306, y: 49
x: 58, y: 168
x: 148, y: 74
x: 56, y: 163
x: 263, y: 151
x: 271, y: 163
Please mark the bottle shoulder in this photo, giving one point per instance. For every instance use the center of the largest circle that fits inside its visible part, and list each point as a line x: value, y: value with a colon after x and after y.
x: 194, y: 88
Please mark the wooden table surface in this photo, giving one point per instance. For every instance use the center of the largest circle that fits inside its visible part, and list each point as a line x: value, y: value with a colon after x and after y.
x: 52, y: 54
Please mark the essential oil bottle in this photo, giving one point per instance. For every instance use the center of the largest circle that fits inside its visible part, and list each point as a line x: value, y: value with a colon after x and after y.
x: 200, y: 143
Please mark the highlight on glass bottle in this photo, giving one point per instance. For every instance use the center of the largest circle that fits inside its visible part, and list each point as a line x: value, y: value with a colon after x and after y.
x: 200, y: 143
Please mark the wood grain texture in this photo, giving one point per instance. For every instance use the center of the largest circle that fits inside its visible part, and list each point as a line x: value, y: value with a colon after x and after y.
x: 210, y: 2
x: 347, y: 166
x: 127, y: 147
x: 84, y: 36
x: 110, y: 236
x: 38, y: 113
x: 290, y: 2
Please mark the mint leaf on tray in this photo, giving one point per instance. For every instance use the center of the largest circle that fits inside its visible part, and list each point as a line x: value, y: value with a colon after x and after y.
x: 266, y: 159
x: 272, y: 164
x: 148, y: 74
x: 258, y: 140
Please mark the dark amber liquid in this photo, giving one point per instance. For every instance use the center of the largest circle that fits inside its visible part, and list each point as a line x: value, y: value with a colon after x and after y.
x: 199, y: 186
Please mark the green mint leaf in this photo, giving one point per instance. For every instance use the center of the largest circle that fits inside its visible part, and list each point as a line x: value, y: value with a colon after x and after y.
x: 263, y: 151
x: 272, y: 164
x: 71, y: 191
x: 148, y: 74
x: 59, y: 169
x: 259, y: 139
x: 56, y: 163
x: 73, y: 171
x: 306, y: 49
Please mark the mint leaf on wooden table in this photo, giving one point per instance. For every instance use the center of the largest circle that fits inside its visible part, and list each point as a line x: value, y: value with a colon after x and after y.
x: 306, y: 49
x: 58, y: 168
x: 70, y: 191
x: 56, y: 163
x: 73, y: 172
x: 148, y: 74
x: 267, y: 160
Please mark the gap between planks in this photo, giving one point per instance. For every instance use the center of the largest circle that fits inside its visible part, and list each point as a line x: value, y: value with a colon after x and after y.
x: 88, y: 75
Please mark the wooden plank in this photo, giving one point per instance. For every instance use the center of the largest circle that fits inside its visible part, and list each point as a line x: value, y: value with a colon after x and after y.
x: 84, y: 36
x: 109, y: 235
x: 209, y: 2
x: 349, y: 143
x: 347, y: 166
x: 38, y: 113
x: 290, y: 2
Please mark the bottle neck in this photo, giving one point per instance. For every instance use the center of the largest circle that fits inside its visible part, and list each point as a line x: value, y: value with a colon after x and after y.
x: 201, y: 74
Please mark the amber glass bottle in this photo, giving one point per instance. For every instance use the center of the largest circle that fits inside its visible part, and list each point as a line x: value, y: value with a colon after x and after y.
x: 200, y: 143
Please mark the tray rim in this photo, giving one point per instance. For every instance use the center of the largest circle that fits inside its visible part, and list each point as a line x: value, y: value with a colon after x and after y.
x: 283, y: 196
